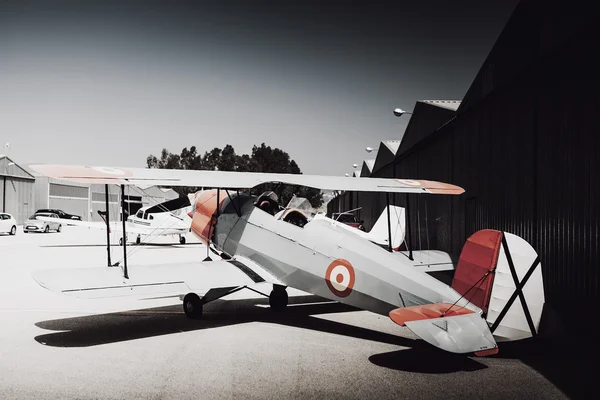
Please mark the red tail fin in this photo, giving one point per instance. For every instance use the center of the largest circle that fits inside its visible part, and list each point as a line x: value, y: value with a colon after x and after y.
x: 479, y: 256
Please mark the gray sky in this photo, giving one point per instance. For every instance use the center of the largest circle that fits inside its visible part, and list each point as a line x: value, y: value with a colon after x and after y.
x: 108, y: 83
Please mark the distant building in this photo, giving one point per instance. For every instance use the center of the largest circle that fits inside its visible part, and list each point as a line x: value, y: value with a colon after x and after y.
x: 16, y: 190
x: 23, y: 191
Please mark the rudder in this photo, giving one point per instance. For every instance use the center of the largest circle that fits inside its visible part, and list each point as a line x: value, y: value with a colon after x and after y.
x: 501, y: 273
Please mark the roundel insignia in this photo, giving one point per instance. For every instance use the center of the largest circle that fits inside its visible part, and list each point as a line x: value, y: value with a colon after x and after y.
x: 340, y: 277
x: 109, y: 170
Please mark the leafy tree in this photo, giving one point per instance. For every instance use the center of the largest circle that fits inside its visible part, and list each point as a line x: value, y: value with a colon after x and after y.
x: 263, y: 159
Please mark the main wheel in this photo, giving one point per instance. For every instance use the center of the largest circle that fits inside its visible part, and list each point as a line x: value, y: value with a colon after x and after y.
x: 138, y: 239
x: 182, y: 239
x: 278, y: 299
x: 59, y: 228
x: 192, y: 306
x: 120, y: 241
x: 47, y: 229
x: 13, y: 230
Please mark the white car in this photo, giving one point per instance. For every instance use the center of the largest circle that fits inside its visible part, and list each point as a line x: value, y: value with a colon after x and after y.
x: 8, y: 224
x: 35, y: 225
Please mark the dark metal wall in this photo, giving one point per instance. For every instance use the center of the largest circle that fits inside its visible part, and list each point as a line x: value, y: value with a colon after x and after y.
x: 527, y: 155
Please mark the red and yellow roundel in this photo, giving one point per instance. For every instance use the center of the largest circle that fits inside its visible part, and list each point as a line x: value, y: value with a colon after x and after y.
x: 340, y: 277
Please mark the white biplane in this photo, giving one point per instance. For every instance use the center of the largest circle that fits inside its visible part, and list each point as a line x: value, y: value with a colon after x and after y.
x: 169, y: 218
x: 260, y: 242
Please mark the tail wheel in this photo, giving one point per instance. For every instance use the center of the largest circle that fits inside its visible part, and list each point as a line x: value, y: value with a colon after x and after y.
x: 13, y: 230
x: 278, y: 299
x: 59, y: 228
x: 192, y: 306
x: 182, y: 239
x: 47, y: 229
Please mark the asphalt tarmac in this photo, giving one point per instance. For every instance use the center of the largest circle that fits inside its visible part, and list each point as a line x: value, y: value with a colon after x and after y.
x: 58, y: 347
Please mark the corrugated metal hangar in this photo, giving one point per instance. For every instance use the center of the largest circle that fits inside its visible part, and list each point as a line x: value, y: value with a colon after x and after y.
x: 22, y: 192
x: 524, y: 144
x: 16, y: 190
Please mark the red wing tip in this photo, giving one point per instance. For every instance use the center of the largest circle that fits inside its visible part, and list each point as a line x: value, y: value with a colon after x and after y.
x: 488, y: 352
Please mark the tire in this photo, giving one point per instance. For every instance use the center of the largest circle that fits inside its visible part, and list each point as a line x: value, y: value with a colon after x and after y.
x: 13, y: 231
x: 192, y: 306
x: 120, y: 241
x: 278, y: 299
x: 138, y: 240
x: 182, y: 239
x: 59, y: 228
x: 47, y: 229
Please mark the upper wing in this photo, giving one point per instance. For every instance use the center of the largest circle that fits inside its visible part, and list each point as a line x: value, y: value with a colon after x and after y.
x: 237, y: 180
x: 172, y: 279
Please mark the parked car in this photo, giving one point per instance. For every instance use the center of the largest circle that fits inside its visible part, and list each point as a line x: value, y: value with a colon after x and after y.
x: 33, y: 224
x: 61, y: 214
x: 349, y: 219
x: 8, y: 224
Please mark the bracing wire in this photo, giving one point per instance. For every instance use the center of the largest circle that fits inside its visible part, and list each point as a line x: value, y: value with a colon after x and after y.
x: 479, y: 282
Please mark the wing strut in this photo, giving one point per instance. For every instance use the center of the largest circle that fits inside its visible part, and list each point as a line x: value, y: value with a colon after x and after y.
x: 409, y: 243
x: 107, y: 225
x: 210, y: 230
x: 125, y: 275
x: 387, y: 199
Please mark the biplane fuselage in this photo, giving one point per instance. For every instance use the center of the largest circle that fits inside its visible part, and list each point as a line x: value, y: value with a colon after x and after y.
x: 319, y: 257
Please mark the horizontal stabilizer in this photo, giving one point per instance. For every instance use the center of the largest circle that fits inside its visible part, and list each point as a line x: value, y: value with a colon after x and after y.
x: 468, y: 333
x: 428, y: 311
x: 429, y: 260
x: 172, y: 279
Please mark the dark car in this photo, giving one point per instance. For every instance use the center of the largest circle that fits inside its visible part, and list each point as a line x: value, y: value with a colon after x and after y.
x: 61, y: 214
x: 349, y: 219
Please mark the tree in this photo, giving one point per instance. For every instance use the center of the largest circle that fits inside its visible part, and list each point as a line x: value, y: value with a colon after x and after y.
x: 263, y: 159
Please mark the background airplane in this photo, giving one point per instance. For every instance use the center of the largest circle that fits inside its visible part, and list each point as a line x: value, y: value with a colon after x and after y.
x: 169, y: 218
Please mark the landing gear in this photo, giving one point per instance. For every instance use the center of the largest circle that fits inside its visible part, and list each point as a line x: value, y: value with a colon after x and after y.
x: 278, y: 299
x: 138, y: 239
x: 192, y: 306
x: 182, y: 239
x: 121, y: 241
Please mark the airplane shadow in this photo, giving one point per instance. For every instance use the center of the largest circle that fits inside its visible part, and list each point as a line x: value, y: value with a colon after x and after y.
x: 115, y: 327
x: 426, y: 359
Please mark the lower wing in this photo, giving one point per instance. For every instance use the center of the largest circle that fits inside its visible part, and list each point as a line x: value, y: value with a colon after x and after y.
x: 171, y: 279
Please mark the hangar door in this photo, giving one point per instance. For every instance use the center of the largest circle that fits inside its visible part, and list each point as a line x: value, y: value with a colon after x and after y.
x: 17, y: 197
x: 70, y: 199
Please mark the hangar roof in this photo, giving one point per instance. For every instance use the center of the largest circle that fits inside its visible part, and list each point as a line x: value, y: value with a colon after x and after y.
x: 428, y: 116
x: 9, y: 168
x: 386, y: 154
x: 367, y: 168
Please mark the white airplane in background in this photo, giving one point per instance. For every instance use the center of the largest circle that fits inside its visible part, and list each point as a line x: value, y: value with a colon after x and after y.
x: 496, y: 294
x: 169, y: 218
